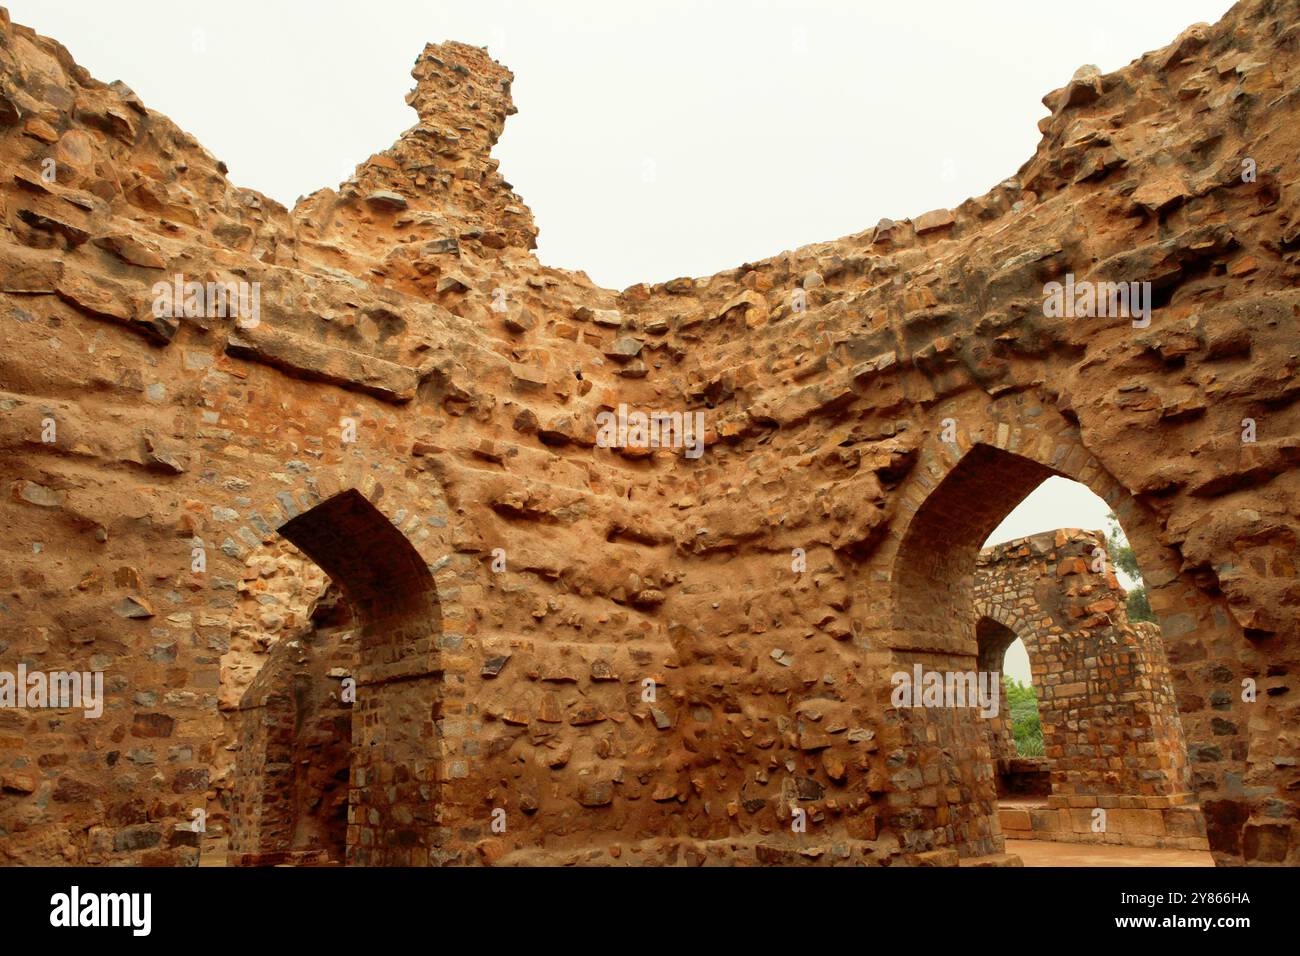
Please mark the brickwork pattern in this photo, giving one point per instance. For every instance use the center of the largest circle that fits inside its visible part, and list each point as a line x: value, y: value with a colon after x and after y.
x: 1109, y: 719
x: 293, y: 736
x: 874, y: 404
x: 1111, y: 731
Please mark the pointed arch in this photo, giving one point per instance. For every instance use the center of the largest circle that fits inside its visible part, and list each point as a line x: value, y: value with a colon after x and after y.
x: 956, y: 497
x: 394, y: 774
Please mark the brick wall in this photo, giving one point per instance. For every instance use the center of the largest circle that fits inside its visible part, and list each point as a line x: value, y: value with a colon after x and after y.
x: 873, y: 407
x: 1111, y: 731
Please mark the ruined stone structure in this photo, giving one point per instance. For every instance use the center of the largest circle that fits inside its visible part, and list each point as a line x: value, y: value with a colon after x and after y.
x: 294, y: 743
x: 635, y: 655
x: 1105, y: 694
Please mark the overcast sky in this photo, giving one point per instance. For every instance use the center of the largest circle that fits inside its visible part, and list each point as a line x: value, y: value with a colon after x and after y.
x: 654, y: 139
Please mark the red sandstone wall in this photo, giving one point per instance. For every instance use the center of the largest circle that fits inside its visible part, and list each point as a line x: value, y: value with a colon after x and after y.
x: 1110, y: 721
x: 293, y: 739
x: 881, y: 430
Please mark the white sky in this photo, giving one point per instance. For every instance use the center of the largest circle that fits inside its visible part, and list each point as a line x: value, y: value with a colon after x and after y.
x: 1016, y: 663
x: 1056, y: 503
x: 654, y: 139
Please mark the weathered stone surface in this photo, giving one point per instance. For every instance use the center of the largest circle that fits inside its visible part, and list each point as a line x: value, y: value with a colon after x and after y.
x: 345, y: 367
x: 383, y: 427
x: 133, y: 249
x: 1106, y: 700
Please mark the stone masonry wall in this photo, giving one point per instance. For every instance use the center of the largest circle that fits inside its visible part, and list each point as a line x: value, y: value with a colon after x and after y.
x: 293, y: 740
x: 1109, y: 723
x: 1106, y: 702
x: 637, y: 656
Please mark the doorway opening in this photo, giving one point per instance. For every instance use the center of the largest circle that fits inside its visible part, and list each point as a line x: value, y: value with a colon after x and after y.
x: 1113, y: 767
x: 391, y: 670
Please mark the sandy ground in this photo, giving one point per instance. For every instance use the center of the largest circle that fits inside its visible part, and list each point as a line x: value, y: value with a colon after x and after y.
x: 1044, y: 853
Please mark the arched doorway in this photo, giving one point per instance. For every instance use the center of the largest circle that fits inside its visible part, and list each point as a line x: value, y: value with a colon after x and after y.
x: 963, y: 493
x: 394, y: 767
x: 1017, y: 773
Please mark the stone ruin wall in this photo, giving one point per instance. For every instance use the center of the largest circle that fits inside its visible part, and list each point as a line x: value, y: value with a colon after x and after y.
x: 1111, y: 730
x: 1110, y: 719
x: 1100, y: 695
x: 879, y: 402
x: 292, y: 737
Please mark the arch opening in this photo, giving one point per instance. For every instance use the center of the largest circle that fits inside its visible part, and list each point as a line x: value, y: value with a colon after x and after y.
x: 384, y: 668
x: 936, y: 559
x: 1017, y: 772
x: 1014, y: 734
x: 1113, y: 746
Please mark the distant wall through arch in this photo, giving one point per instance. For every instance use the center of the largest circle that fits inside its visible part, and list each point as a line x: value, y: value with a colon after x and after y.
x: 394, y: 766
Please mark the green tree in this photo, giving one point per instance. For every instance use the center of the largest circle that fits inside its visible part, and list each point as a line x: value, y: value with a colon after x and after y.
x: 1121, y: 552
x: 1026, y: 728
x: 1139, y: 608
x: 1122, y: 556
